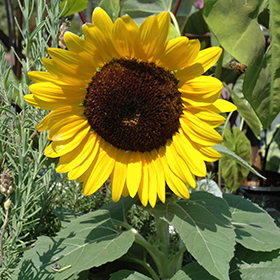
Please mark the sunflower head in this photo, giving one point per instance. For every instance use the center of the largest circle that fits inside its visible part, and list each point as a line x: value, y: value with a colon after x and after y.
x: 128, y: 104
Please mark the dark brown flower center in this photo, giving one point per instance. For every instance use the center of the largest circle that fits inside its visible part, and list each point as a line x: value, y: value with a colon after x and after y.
x: 135, y: 106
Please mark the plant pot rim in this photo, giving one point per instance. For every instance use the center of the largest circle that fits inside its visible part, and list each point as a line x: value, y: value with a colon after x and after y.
x: 261, y: 188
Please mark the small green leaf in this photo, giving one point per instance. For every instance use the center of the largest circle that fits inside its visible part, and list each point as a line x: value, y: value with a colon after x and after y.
x: 226, y: 152
x: 245, y: 110
x: 193, y: 271
x: 118, y: 210
x: 232, y: 172
x: 203, y: 225
x: 70, y: 7
x: 111, y: 7
x: 129, y: 275
x: 255, y: 265
x: 88, y: 241
x: 254, y: 228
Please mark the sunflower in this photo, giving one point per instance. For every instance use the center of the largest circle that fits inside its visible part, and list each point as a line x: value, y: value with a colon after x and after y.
x: 128, y: 104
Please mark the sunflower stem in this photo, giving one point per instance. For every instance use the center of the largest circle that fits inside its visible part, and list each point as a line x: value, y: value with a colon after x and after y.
x: 218, y: 71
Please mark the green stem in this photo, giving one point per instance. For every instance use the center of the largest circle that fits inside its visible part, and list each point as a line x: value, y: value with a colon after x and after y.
x: 163, y: 233
x: 218, y: 71
x: 177, y: 259
x: 144, y: 264
x: 219, y: 165
x: 158, y: 256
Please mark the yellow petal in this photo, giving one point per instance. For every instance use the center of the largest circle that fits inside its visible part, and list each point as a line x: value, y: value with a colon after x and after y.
x: 208, y: 116
x: 222, y: 106
x: 39, y: 76
x: 101, y: 170
x: 160, y: 175
x: 78, y: 155
x: 67, y: 75
x: 198, y: 131
x: 134, y: 172
x: 79, y: 170
x: 174, y: 182
x: 60, y: 148
x: 57, y: 115
x: 190, y: 154
x: 209, y: 154
x: 179, y: 53
x: 143, y: 191
x: 126, y: 39
x: 204, y: 60
x: 118, y: 175
x: 67, y: 128
x: 201, y: 91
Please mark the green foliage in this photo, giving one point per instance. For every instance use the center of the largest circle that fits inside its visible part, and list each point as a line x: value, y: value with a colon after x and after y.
x: 232, y: 172
x: 70, y: 7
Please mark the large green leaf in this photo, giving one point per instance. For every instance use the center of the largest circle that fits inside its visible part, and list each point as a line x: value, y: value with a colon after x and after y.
x: 235, y: 25
x: 254, y: 228
x: 248, y: 265
x: 139, y: 10
x: 232, y: 172
x: 111, y: 7
x: 273, y: 154
x: 226, y: 152
x: 245, y: 110
x: 193, y: 271
x: 128, y: 275
x: 88, y: 241
x: 70, y: 7
x: 262, y: 83
x: 203, y: 225
x: 65, y: 216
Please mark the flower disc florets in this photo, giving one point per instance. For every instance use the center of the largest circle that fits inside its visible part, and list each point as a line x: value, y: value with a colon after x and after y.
x: 135, y: 106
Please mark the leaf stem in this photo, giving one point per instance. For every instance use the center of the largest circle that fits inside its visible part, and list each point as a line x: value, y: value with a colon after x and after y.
x: 218, y: 71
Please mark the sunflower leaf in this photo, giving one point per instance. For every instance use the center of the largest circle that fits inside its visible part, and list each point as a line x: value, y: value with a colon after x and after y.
x: 226, y: 152
x: 203, y: 225
x: 193, y: 271
x: 87, y: 241
x: 129, y: 275
x: 255, y: 265
x: 254, y: 228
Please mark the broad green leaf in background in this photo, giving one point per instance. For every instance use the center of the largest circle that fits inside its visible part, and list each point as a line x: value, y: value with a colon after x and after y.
x: 262, y: 83
x: 254, y: 228
x: 193, y: 271
x: 235, y: 25
x: 203, y: 225
x: 70, y: 7
x: 226, y: 152
x: 245, y: 110
x: 128, y: 275
x: 232, y: 172
x: 255, y: 265
x: 111, y: 7
x: 88, y: 241
x: 139, y: 10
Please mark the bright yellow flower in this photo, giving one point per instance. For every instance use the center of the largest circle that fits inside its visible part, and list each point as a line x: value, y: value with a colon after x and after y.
x: 130, y: 105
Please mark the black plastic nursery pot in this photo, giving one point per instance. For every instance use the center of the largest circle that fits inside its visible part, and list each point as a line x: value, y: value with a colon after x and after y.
x: 269, y: 194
